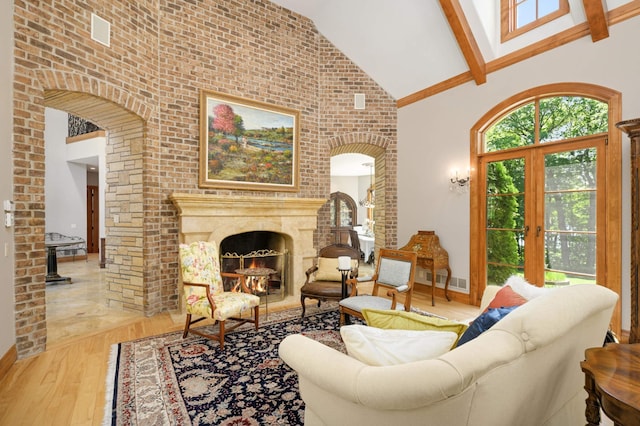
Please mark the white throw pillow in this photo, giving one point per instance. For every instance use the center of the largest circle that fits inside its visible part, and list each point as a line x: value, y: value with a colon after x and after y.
x: 524, y: 288
x: 376, y: 346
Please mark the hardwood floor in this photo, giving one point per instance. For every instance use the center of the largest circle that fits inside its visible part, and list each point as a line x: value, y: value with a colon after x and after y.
x: 65, y: 385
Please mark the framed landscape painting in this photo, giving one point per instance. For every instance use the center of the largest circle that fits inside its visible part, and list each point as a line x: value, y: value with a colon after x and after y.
x: 247, y: 144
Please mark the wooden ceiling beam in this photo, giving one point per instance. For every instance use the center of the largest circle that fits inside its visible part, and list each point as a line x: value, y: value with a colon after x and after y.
x: 466, y: 40
x: 597, y: 19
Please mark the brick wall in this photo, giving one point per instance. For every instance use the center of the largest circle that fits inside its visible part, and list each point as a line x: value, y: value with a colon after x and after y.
x: 144, y: 90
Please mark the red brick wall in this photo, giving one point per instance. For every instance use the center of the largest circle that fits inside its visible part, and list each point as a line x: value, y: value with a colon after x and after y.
x: 144, y: 89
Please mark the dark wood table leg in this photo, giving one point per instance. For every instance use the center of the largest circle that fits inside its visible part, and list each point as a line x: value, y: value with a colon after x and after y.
x: 446, y: 285
x: 592, y: 409
x: 347, y: 318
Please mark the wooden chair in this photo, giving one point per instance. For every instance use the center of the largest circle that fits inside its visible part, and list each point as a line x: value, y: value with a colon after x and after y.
x: 395, y: 273
x: 324, y: 281
x: 355, y: 242
x: 204, y: 292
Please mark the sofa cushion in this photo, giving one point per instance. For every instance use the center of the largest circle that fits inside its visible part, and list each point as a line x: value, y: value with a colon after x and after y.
x: 402, y: 320
x: 505, y: 298
x: 378, y: 347
x: 328, y: 269
x: 484, y: 322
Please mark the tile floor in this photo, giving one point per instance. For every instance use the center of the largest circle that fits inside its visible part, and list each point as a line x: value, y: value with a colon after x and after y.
x: 80, y: 308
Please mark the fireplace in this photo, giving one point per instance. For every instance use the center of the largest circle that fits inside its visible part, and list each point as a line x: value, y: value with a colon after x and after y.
x: 205, y: 217
x: 260, y: 251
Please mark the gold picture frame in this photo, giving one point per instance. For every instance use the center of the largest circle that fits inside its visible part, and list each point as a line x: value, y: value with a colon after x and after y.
x: 247, y: 144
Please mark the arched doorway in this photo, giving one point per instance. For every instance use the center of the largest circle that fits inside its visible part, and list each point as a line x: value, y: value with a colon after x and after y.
x: 130, y: 279
x: 385, y: 232
x: 546, y: 163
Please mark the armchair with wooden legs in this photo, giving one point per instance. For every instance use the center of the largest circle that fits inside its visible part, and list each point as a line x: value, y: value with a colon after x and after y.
x: 204, y: 292
x: 324, y: 281
x: 395, y: 273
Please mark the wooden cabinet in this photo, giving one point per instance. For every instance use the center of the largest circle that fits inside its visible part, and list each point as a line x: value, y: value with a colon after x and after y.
x: 632, y: 128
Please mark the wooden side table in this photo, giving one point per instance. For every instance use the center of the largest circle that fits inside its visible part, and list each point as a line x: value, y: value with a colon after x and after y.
x: 432, y: 256
x: 612, y: 380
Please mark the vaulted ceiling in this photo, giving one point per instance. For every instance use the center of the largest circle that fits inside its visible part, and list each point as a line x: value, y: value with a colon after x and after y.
x: 416, y: 48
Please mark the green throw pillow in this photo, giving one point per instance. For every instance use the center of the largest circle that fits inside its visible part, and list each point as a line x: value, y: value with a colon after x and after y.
x: 402, y: 320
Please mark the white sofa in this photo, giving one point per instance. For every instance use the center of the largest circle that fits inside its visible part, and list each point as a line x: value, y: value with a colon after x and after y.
x: 525, y: 370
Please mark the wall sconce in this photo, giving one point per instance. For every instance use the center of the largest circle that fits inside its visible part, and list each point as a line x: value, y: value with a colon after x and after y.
x: 459, y: 184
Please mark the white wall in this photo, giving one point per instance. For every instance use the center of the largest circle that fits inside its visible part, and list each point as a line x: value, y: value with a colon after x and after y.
x: 433, y: 137
x: 65, y: 182
x: 7, y: 297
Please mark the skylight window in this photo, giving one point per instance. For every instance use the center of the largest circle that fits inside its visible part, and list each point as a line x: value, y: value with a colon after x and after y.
x: 520, y: 16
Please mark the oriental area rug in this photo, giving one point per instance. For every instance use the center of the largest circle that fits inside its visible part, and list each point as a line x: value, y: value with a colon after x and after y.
x: 168, y: 380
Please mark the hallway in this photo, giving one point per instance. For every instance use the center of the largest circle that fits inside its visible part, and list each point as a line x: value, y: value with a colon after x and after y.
x: 80, y: 308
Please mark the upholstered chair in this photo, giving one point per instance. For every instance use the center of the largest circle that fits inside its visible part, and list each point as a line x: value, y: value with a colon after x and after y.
x: 395, y: 273
x: 204, y: 292
x: 324, y: 281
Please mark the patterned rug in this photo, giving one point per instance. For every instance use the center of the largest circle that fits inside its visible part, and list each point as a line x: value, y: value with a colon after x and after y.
x: 168, y: 380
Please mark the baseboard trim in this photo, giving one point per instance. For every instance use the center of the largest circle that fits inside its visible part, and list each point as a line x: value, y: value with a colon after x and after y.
x: 8, y: 360
x: 456, y: 296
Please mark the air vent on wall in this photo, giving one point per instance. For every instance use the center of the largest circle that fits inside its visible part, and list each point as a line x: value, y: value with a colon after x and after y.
x: 100, y: 30
x: 358, y: 101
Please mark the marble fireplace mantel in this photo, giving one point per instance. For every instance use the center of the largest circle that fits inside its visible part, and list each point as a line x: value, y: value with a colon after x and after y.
x: 204, y: 217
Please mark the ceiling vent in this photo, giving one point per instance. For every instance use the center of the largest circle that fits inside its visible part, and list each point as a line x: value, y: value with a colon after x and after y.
x: 100, y: 30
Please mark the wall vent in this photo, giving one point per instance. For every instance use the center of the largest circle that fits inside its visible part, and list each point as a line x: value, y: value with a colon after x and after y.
x: 359, y: 101
x: 100, y: 30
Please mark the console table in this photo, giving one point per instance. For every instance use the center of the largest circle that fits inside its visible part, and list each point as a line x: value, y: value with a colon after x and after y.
x: 612, y: 380
x: 431, y: 256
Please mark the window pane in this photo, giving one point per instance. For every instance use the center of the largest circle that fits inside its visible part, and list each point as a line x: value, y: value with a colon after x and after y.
x: 566, y: 117
x: 546, y: 7
x: 345, y: 214
x: 514, y: 130
x: 505, y: 221
x: 571, y: 252
x: 498, y: 274
x: 570, y: 212
x: 505, y: 194
x: 570, y: 170
x: 526, y: 13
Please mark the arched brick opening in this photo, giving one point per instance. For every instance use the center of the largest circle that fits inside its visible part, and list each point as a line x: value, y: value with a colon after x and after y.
x: 385, y: 213
x: 130, y: 285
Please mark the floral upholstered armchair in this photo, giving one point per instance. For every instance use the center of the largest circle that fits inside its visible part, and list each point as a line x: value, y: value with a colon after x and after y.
x: 204, y: 291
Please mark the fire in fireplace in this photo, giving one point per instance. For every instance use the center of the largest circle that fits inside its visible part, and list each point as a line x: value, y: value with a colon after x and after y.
x: 261, y: 256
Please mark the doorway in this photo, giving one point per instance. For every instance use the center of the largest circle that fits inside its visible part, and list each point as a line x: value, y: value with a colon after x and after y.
x: 93, y: 219
x: 545, y: 198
